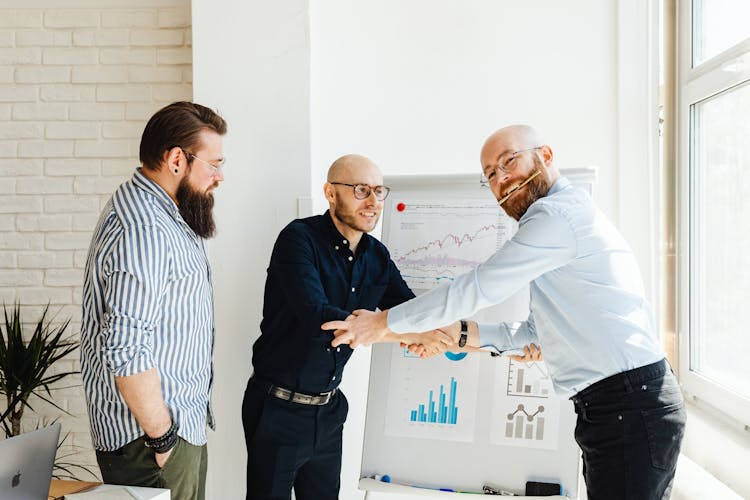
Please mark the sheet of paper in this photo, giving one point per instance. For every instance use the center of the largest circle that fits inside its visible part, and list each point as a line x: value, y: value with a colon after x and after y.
x: 526, y: 411
x: 433, y: 240
x: 433, y: 398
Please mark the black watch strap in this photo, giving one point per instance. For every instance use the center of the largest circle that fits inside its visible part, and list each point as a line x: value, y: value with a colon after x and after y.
x: 464, y: 333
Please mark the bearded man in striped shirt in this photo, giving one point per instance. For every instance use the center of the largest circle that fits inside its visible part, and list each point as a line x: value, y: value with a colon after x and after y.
x: 148, y: 321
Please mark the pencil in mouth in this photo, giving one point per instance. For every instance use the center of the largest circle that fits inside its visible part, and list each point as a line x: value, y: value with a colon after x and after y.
x: 519, y: 186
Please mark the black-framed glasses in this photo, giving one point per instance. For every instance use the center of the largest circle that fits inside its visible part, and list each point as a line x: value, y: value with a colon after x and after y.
x: 504, y: 164
x: 215, y: 167
x: 362, y: 191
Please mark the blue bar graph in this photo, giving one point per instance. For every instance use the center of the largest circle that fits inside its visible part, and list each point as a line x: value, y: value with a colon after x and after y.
x: 442, y: 414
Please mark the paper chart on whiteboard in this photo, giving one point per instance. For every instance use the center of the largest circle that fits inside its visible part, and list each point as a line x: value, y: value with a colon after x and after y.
x: 433, y: 398
x: 526, y: 410
x: 470, y: 231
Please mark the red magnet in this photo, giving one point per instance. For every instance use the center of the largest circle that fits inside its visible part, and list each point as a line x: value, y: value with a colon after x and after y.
x: 401, y: 207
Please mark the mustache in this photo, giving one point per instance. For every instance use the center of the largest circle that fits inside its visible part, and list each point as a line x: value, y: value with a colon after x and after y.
x: 517, y: 187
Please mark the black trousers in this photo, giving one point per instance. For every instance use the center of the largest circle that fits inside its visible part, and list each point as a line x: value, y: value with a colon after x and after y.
x: 630, y: 427
x: 291, y: 445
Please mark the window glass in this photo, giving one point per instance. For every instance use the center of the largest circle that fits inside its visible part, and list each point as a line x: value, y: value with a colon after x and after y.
x: 717, y: 26
x: 720, y: 237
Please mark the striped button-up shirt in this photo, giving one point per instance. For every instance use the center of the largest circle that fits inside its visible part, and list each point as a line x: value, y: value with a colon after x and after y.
x: 147, y: 303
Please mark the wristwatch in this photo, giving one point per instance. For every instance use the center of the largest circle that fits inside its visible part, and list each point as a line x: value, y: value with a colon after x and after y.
x: 464, y: 333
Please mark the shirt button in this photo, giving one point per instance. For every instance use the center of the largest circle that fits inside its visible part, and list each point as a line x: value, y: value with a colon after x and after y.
x: 336, y: 247
x: 328, y: 349
x: 346, y: 242
x: 351, y: 258
x: 333, y: 378
x: 338, y: 349
x: 354, y: 289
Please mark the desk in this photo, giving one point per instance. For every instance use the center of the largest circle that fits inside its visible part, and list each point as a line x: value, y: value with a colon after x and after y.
x: 60, y: 487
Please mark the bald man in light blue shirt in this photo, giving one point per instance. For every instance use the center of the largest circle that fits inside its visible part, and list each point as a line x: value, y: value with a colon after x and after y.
x: 588, y: 312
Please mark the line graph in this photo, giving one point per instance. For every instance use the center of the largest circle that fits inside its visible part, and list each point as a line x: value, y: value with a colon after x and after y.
x: 526, y: 410
x: 470, y: 231
x: 447, y: 241
x: 525, y: 426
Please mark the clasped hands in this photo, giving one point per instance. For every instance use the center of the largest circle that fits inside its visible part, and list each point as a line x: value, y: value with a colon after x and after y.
x: 364, y: 327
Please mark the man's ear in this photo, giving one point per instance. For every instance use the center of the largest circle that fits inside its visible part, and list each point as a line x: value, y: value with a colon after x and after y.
x: 547, y: 155
x: 328, y: 192
x: 173, y: 159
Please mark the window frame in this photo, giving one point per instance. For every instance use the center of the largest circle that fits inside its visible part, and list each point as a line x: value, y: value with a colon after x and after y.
x: 696, y: 84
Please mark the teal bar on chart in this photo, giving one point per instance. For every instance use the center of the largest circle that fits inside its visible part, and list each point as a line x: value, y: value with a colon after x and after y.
x: 437, y: 412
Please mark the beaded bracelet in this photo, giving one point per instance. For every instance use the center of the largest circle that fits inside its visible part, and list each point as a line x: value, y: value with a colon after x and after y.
x: 165, y: 442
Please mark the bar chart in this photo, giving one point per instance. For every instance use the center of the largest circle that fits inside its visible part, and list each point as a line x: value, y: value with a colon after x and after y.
x: 528, y: 380
x: 526, y: 410
x: 440, y: 410
x: 524, y: 425
x: 434, y: 398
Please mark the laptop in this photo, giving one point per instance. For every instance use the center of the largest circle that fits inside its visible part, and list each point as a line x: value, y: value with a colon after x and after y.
x: 26, y: 464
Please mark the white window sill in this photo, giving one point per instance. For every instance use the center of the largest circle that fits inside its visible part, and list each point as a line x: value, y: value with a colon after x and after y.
x: 716, y: 454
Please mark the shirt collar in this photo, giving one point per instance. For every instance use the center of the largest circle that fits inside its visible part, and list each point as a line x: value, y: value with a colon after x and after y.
x: 337, y: 239
x: 142, y: 182
x: 559, y: 185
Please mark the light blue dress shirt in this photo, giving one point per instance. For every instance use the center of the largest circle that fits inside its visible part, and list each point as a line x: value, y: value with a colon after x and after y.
x: 588, y: 310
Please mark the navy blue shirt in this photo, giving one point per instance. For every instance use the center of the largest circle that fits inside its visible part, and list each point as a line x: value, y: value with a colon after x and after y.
x: 313, y: 277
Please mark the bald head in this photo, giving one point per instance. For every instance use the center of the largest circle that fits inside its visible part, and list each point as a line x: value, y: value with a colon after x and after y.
x: 349, y: 168
x: 352, y: 213
x: 511, y: 138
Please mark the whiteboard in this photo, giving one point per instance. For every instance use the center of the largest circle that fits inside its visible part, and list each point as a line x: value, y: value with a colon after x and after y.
x: 450, y: 424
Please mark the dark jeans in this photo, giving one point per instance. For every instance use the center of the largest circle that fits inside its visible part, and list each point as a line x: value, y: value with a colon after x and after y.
x: 292, y: 445
x: 630, y: 427
x: 184, y: 474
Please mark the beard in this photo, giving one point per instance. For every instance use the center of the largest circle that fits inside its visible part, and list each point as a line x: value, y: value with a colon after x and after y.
x: 196, y: 208
x: 520, y: 201
x: 351, y: 219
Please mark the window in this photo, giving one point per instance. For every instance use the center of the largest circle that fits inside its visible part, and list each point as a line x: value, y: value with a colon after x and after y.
x: 714, y: 166
x: 717, y: 26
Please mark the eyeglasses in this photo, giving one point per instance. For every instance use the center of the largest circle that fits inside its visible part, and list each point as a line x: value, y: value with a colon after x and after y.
x: 362, y: 191
x: 215, y: 169
x: 504, y: 164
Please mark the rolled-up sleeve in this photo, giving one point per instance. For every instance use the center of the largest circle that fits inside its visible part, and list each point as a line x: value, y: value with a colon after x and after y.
x: 136, y: 274
x: 504, y: 336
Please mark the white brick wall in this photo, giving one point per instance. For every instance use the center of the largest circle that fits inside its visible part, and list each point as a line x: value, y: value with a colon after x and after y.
x: 76, y: 87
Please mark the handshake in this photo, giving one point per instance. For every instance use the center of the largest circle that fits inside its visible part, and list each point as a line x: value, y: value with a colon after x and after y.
x: 364, y: 327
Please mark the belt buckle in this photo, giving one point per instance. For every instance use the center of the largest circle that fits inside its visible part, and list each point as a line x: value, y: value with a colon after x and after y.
x: 302, y: 398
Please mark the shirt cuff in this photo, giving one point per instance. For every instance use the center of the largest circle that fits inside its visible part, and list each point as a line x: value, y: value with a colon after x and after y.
x: 494, y: 334
x: 397, y: 322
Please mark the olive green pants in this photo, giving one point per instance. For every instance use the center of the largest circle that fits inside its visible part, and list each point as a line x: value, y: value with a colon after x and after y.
x: 134, y: 465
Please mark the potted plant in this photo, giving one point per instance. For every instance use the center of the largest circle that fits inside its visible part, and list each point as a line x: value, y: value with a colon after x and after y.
x: 24, y: 365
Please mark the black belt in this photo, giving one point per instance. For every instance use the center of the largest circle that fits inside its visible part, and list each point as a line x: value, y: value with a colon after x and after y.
x: 318, y: 399
x: 624, y: 382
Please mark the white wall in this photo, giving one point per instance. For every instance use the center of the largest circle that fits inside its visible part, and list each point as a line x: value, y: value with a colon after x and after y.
x: 417, y: 86
x: 251, y: 61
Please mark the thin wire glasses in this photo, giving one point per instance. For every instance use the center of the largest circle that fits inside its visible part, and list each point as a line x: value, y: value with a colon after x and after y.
x: 215, y: 167
x: 362, y: 191
x: 504, y: 164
